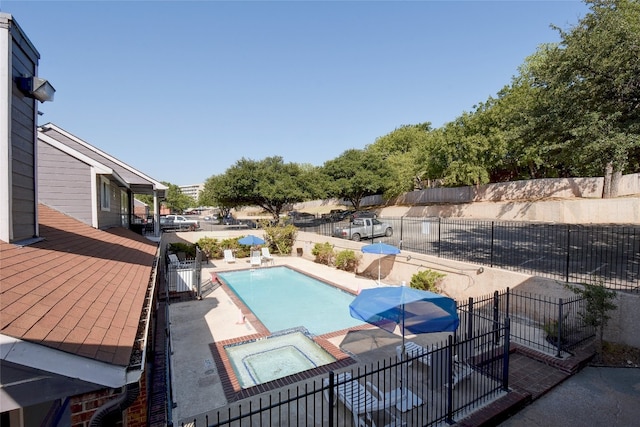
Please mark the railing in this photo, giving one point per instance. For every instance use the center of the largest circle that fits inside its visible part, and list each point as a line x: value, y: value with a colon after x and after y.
x: 538, y: 322
x: 184, y: 276
x: 429, y: 386
x: 572, y: 253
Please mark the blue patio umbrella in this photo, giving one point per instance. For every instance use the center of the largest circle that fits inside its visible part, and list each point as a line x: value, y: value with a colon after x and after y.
x: 380, y: 249
x: 251, y: 240
x: 415, y: 311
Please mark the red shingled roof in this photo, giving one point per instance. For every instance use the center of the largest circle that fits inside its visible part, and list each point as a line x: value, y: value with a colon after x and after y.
x: 81, y: 290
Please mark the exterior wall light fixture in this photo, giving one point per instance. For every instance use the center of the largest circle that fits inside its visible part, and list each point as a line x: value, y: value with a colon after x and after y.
x: 37, y: 88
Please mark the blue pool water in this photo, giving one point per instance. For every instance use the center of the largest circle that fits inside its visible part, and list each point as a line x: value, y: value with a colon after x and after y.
x: 259, y: 361
x: 283, y: 299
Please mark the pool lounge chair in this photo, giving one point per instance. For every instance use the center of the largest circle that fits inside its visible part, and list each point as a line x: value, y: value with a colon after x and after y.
x: 362, y: 400
x: 228, y: 256
x: 461, y: 370
x: 256, y: 259
x: 266, y: 256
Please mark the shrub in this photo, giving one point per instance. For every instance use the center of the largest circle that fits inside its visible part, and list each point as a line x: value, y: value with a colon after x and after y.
x: 187, y: 248
x: 347, y: 260
x: 427, y: 280
x: 323, y: 252
x: 211, y: 247
x: 280, y: 238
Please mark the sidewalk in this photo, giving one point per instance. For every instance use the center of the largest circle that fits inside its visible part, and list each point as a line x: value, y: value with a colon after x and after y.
x: 531, y: 376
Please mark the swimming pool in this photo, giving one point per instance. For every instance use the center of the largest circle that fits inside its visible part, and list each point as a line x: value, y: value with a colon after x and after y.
x: 283, y: 298
x: 259, y: 361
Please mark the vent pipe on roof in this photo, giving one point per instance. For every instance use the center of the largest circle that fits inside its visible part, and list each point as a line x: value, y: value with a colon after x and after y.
x: 125, y: 400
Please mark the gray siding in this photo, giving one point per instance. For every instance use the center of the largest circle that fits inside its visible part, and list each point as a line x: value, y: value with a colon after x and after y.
x: 112, y: 217
x: 23, y: 137
x: 64, y: 183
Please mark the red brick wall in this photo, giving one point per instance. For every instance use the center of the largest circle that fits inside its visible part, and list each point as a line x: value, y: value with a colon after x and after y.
x: 83, y: 406
x: 137, y: 412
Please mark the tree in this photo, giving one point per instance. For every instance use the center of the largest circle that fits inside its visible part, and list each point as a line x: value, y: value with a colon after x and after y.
x: 175, y: 200
x: 217, y: 192
x: 269, y: 183
x: 356, y: 174
x: 590, y: 84
x: 462, y: 152
x: 400, y: 149
x: 598, y: 305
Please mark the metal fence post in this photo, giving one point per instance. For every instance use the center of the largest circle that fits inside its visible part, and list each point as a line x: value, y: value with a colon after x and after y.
x: 449, y: 353
x: 401, y: 230
x: 505, y: 356
x: 492, y: 242
x: 439, y: 236
x: 470, y: 319
x: 332, y: 383
x: 566, y: 272
x: 496, y: 326
x: 559, y: 343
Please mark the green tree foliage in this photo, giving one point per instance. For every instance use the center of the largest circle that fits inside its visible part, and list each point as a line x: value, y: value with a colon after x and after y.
x: 599, y: 301
x: 356, y: 174
x: 589, y: 87
x: 175, y: 200
x: 400, y: 150
x: 465, y: 151
x: 217, y: 192
x: 269, y: 183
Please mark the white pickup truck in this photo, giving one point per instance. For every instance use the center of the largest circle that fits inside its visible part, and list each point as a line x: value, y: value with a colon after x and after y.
x: 364, y: 228
x: 178, y: 222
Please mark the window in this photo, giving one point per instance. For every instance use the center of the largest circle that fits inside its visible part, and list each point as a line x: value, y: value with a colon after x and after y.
x: 124, y: 209
x: 105, y: 194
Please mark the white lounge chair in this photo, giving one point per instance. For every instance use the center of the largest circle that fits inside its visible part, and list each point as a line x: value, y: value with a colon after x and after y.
x: 461, y: 370
x: 355, y: 397
x: 256, y: 259
x: 361, y: 400
x: 266, y: 256
x: 228, y: 256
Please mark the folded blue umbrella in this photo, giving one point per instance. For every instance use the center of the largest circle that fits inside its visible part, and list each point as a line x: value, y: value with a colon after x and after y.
x: 251, y: 240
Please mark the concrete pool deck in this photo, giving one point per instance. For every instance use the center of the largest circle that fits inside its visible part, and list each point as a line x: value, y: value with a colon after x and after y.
x: 196, y: 325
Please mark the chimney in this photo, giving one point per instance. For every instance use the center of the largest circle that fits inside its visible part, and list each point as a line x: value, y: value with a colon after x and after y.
x: 18, y: 132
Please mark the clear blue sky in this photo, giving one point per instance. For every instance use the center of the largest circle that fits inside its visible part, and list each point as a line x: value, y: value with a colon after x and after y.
x: 182, y: 90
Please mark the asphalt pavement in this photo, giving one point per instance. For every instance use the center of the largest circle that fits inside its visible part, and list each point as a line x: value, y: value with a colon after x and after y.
x: 594, y: 396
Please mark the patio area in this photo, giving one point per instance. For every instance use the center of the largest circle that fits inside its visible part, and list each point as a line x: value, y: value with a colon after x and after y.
x: 201, y: 380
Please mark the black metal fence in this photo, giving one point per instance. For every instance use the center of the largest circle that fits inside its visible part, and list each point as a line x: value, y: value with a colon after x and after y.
x: 608, y: 254
x: 553, y: 326
x: 428, y: 386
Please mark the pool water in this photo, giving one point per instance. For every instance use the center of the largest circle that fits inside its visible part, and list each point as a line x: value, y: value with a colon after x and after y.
x: 259, y: 361
x: 283, y: 298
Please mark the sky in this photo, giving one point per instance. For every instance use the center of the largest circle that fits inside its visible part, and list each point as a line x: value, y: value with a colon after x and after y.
x: 182, y: 90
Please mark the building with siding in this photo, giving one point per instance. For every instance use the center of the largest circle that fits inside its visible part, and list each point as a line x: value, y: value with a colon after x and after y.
x: 89, y: 184
x: 77, y: 288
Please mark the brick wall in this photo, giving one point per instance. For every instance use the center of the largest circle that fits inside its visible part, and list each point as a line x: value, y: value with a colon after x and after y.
x: 137, y: 412
x: 83, y: 406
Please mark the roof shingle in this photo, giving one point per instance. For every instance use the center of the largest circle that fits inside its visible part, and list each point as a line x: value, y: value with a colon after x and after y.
x: 80, y: 290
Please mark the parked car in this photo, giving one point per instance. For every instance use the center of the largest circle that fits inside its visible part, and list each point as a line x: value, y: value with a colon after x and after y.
x: 336, y: 215
x: 178, y: 222
x: 229, y: 220
x: 364, y: 228
x: 364, y: 214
